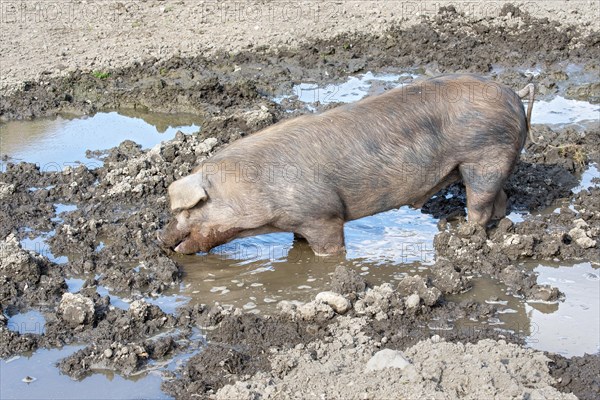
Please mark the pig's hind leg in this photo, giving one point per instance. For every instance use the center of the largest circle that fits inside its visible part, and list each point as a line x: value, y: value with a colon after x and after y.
x: 325, y: 237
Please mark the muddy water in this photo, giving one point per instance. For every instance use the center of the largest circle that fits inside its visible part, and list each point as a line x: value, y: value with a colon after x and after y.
x: 59, y: 142
x: 568, y: 327
x: 49, y: 383
x: 256, y: 272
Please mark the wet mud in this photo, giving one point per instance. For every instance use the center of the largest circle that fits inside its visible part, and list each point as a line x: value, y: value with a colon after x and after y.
x: 576, y: 375
x: 108, y: 235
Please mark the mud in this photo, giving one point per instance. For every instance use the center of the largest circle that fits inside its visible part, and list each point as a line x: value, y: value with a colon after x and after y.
x: 577, y: 375
x: 426, y: 369
x: 109, y: 237
x: 238, y: 347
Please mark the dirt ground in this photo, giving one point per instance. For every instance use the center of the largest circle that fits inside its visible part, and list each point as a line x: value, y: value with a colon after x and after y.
x: 39, y: 41
x: 177, y: 56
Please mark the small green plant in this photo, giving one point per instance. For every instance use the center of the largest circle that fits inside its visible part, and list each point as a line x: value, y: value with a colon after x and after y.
x: 163, y: 71
x: 100, y: 74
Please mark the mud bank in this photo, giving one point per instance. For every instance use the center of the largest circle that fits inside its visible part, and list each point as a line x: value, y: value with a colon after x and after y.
x: 97, y: 226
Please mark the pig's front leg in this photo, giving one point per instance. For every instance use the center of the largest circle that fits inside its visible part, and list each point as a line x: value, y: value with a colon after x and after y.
x: 500, y: 205
x: 325, y: 237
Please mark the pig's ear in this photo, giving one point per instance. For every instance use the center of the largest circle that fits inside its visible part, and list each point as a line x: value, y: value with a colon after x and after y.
x: 186, y: 192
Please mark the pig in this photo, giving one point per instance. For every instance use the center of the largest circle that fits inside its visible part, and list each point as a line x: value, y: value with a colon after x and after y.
x: 311, y: 174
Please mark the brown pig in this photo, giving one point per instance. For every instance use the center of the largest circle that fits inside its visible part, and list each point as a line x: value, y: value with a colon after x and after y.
x: 311, y: 174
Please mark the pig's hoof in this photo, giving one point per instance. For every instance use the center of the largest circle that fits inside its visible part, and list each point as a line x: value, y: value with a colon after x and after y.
x: 335, y: 252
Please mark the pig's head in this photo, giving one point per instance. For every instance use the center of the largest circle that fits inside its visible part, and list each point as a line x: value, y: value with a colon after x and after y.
x: 195, y: 226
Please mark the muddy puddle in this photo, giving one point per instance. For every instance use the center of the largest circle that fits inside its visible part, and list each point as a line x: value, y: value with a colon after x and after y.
x: 46, y: 381
x: 566, y: 327
x: 255, y: 273
x: 54, y: 143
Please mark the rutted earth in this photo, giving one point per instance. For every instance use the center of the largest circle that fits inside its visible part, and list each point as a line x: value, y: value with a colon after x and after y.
x: 333, y: 341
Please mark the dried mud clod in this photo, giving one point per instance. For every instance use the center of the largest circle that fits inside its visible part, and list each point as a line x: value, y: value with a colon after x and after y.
x: 27, y: 278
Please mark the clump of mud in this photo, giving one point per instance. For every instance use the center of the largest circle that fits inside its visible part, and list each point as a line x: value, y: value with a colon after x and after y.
x: 27, y: 278
x: 124, y: 358
x: 238, y: 347
x: 565, y: 234
x: 577, y: 375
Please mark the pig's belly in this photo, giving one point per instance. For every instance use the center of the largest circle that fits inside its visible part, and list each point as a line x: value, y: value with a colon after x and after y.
x: 388, y: 192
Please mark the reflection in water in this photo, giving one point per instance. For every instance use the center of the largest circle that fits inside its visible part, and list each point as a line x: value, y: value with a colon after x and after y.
x: 164, y: 123
x: 589, y: 178
x: 512, y: 318
x: 28, y: 322
x: 39, y: 245
x: 352, y: 90
x: 569, y: 327
x: 560, y: 111
x: 58, y: 142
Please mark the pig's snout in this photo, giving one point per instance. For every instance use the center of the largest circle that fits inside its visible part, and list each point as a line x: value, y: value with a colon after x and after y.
x: 162, y: 243
x: 159, y: 238
x: 170, y: 236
